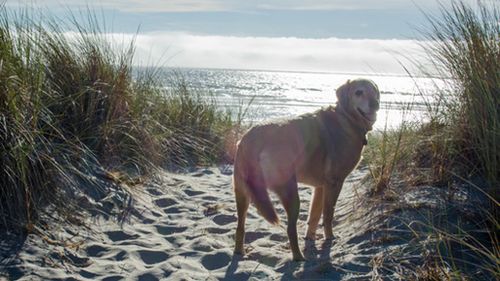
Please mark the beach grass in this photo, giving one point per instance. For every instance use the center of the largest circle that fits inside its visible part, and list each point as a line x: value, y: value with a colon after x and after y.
x: 72, y: 103
x: 465, y: 47
x: 463, y: 133
x: 461, y: 139
x: 461, y: 142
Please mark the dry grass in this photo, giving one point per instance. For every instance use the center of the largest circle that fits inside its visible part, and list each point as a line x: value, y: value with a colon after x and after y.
x: 70, y: 105
x: 460, y: 144
x: 467, y: 119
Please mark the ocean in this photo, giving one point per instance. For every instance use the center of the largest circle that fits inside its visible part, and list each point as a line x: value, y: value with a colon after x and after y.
x: 264, y: 95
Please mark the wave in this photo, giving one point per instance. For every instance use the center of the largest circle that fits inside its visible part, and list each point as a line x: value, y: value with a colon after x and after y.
x: 310, y: 89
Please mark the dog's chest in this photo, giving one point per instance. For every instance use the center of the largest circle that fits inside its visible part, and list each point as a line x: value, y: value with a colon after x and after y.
x: 342, y: 158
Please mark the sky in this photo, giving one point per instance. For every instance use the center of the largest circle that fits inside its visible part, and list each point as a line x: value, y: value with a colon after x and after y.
x: 295, y: 35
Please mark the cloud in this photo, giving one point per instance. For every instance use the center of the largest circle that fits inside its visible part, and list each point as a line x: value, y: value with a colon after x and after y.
x: 133, y: 5
x: 179, y: 49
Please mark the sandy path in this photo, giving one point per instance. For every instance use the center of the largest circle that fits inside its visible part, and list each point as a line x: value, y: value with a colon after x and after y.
x: 182, y: 228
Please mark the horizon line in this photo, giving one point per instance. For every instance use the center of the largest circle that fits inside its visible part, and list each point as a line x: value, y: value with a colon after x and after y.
x: 382, y: 74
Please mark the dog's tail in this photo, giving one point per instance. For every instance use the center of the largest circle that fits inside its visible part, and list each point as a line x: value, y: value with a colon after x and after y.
x: 257, y: 190
x: 263, y: 203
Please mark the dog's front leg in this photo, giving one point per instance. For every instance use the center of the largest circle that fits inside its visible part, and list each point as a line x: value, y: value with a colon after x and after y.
x: 315, y: 210
x: 330, y: 195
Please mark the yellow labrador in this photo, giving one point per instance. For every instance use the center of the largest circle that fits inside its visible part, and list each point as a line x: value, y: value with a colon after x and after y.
x: 318, y: 149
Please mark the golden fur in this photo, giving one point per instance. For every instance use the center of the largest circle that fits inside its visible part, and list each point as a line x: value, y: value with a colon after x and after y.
x: 318, y: 149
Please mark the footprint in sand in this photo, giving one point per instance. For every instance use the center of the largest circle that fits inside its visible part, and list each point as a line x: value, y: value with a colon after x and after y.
x: 224, y: 219
x: 192, y: 192
x: 119, y: 235
x: 87, y: 274
x: 113, y: 278
x: 96, y: 251
x: 147, y: 277
x: 188, y: 254
x: 147, y: 221
x: 122, y: 255
x: 268, y: 260
x: 75, y: 259
x: 216, y: 261
x: 215, y: 230
x: 252, y: 236
x: 154, y: 192
x: 202, y: 248
x: 167, y: 230
x: 156, y: 214
x: 210, y: 198
x: 152, y: 257
x: 278, y: 238
x: 172, y: 210
x: 165, y: 202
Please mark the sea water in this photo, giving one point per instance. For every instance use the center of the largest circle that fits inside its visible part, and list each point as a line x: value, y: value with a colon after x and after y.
x: 264, y: 95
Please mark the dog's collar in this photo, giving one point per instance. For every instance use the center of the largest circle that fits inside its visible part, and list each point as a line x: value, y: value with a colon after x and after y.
x: 360, y: 130
x: 334, y: 114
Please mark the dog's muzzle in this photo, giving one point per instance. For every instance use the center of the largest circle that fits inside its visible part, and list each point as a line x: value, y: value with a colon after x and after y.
x: 370, y: 117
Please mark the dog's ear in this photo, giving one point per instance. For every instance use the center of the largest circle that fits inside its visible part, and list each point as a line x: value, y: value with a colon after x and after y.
x: 343, y: 94
x: 376, y: 88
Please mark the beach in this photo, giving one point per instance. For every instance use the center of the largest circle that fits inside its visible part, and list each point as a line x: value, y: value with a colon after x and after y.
x: 116, y: 168
x: 180, y: 226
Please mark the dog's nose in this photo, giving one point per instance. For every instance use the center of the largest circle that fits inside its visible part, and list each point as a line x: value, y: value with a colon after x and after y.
x: 374, y: 104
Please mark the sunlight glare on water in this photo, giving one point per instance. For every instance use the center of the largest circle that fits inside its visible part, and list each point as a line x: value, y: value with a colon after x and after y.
x: 272, y: 94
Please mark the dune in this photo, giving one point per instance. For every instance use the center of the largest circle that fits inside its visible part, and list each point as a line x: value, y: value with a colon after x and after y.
x: 181, y: 227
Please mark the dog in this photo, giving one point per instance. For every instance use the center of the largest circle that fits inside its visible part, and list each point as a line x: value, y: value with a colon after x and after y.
x: 319, y: 149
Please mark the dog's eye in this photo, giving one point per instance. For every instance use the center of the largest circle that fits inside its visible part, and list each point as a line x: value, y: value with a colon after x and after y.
x: 359, y: 93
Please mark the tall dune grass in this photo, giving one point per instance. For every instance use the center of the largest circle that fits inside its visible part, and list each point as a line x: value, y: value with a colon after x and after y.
x: 463, y: 134
x: 461, y: 143
x: 465, y: 46
x: 466, y: 132
x: 69, y: 103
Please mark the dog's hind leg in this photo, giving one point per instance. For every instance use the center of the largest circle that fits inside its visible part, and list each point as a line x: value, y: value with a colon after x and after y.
x: 315, y: 210
x: 242, y: 202
x: 330, y: 196
x: 289, y: 196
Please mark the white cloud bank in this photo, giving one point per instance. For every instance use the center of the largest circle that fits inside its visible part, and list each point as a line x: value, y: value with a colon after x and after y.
x: 294, y: 54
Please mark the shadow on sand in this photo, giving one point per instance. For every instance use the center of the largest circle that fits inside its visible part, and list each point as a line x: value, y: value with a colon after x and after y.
x: 10, y: 245
x: 317, y: 262
x: 231, y: 269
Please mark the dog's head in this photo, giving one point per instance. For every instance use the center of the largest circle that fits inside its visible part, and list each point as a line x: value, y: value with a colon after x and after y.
x: 360, y: 99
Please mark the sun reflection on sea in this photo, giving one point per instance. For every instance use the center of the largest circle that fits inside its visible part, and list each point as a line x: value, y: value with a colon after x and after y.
x: 273, y: 94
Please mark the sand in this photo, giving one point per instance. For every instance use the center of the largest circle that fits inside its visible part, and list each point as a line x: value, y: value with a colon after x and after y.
x: 181, y: 226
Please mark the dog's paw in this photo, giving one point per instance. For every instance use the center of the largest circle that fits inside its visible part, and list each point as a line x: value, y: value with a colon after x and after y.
x: 239, y: 252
